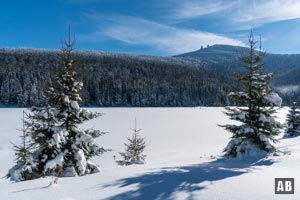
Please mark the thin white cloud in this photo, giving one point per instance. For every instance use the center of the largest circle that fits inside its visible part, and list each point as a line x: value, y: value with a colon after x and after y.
x: 259, y: 12
x: 138, y: 31
x: 192, y: 9
x: 239, y: 14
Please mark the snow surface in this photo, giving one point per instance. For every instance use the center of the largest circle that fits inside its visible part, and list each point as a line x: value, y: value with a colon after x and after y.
x: 287, y: 89
x: 183, y: 149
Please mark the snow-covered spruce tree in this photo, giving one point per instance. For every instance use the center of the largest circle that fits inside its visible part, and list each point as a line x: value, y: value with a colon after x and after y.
x: 23, y: 170
x: 257, y: 128
x: 293, y: 121
x: 55, y: 131
x: 134, y: 149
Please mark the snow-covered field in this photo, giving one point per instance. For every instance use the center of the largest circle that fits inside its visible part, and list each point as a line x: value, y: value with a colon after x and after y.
x: 183, y: 146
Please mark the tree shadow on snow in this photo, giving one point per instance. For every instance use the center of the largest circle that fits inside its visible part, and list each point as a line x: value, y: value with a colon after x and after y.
x: 36, y: 188
x: 164, y: 183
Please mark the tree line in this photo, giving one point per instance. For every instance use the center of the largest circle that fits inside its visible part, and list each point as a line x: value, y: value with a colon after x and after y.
x: 112, y: 79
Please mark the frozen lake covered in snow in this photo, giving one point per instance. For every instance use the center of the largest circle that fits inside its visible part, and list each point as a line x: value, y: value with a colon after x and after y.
x: 183, y: 150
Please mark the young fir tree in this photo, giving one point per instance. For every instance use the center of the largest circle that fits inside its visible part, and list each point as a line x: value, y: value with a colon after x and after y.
x: 54, y: 129
x: 134, y: 149
x: 23, y: 170
x: 293, y: 121
x: 257, y: 128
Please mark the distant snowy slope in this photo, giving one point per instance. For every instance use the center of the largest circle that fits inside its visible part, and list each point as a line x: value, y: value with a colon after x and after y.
x: 225, y: 59
x: 288, y: 88
x: 183, y: 145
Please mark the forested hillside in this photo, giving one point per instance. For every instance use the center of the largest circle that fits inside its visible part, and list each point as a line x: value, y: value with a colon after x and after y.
x: 225, y: 59
x: 201, y: 77
x: 112, y: 79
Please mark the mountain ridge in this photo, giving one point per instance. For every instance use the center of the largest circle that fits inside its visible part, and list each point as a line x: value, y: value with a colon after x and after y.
x: 225, y: 59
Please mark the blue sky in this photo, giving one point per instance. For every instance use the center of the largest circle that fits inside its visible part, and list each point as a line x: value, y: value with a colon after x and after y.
x: 158, y: 27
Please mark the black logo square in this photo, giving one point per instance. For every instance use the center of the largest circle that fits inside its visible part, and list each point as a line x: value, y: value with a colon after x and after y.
x: 284, y: 186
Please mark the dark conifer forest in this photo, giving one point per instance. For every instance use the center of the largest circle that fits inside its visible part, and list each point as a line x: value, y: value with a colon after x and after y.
x: 112, y: 79
x: 200, y: 78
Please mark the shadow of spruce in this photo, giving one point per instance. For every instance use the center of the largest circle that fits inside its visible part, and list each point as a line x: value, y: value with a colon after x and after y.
x: 165, y: 183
